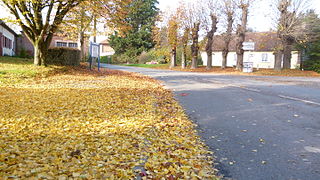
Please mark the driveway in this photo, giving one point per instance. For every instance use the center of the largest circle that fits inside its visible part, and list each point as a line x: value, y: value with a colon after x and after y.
x: 259, y: 127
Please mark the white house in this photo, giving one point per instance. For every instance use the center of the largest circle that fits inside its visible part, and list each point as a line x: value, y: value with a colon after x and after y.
x: 261, y: 57
x: 7, y: 40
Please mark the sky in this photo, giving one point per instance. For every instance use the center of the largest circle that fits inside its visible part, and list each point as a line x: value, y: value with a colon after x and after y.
x: 260, y: 18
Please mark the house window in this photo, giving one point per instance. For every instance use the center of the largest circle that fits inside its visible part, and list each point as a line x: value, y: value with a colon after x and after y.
x: 73, y: 45
x: 7, y: 43
x: 62, y: 44
x: 264, y: 57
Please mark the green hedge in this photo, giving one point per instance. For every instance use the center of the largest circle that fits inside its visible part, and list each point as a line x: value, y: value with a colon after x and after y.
x: 63, y: 56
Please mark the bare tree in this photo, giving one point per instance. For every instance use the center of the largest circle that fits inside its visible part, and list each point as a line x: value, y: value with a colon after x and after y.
x: 241, y: 31
x: 195, y: 17
x: 211, y: 28
x: 290, y: 30
x: 228, y: 9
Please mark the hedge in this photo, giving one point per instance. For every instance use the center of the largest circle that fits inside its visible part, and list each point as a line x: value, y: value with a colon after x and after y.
x: 64, y: 56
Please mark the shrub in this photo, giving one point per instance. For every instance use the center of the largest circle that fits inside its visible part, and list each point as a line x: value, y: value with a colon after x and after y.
x: 106, y: 59
x: 145, y: 57
x: 63, y: 56
x: 123, y: 58
x: 312, y: 65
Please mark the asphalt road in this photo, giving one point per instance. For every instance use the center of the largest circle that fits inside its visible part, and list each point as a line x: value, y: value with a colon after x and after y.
x: 259, y: 127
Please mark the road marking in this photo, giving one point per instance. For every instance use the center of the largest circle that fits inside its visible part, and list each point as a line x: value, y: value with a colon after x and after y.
x: 298, y: 99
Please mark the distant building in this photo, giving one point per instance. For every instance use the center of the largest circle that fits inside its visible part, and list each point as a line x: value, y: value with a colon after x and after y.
x: 262, y: 56
x: 106, y: 49
x: 24, y: 44
x: 7, y: 40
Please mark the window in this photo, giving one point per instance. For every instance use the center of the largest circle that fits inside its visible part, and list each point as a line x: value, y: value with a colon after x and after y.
x: 73, y: 45
x: 264, y: 57
x: 62, y: 44
x: 7, y: 43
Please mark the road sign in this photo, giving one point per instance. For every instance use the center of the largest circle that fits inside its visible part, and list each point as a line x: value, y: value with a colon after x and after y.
x: 248, y: 46
x: 94, y: 55
x: 248, y: 67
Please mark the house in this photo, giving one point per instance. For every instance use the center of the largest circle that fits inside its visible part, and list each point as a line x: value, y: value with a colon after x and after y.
x: 7, y: 40
x: 262, y: 56
x: 24, y: 44
x: 106, y: 49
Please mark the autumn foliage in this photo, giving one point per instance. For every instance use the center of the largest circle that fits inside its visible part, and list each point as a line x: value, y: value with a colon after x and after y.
x: 83, y: 124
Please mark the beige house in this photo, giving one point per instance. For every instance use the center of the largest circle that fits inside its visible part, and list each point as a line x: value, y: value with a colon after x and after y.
x: 106, y: 49
x: 261, y: 57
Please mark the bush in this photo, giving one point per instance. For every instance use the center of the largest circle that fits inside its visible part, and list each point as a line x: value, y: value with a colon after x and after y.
x: 106, y: 59
x: 63, y: 56
x: 145, y: 57
x: 123, y: 58
x: 312, y: 65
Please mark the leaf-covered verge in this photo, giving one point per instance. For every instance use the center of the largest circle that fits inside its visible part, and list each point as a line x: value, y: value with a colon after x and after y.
x: 86, y: 125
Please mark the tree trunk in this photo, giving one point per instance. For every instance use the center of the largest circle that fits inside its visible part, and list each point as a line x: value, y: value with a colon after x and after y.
x: 227, y: 39
x: 278, y: 60
x: 195, y: 45
x: 40, y: 52
x: 210, y: 37
x: 82, y: 47
x: 241, y: 33
x: 173, y: 58
x: 184, y: 58
x: 287, y: 56
x: 209, y: 61
x: 225, y: 53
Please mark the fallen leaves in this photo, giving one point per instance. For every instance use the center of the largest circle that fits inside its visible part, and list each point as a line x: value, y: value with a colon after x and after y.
x: 87, y: 126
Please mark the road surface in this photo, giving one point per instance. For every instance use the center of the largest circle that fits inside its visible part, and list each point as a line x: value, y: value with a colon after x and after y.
x: 260, y: 128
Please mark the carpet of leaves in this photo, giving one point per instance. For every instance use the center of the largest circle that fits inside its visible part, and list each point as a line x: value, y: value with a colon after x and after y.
x: 87, y: 125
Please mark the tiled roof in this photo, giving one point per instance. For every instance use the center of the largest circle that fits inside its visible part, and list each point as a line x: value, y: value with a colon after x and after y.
x: 264, y: 41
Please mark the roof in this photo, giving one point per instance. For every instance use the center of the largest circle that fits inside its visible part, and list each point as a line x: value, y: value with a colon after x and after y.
x: 105, y: 42
x: 264, y: 41
x: 8, y: 28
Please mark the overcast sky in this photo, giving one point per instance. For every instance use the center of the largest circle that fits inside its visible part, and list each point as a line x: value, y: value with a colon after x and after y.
x: 260, y: 17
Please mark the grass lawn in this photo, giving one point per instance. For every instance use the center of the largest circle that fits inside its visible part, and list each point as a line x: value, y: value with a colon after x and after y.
x: 15, y: 70
x: 84, y: 124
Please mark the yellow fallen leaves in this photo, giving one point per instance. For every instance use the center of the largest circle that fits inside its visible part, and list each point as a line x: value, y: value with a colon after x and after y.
x: 84, y: 126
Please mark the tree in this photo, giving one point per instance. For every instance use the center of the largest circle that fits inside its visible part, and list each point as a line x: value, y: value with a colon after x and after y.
x: 195, y: 16
x: 290, y: 30
x: 228, y: 9
x: 184, y: 43
x: 77, y: 23
x: 173, y: 38
x: 135, y: 33
x: 39, y: 20
x: 211, y: 30
x: 241, y: 32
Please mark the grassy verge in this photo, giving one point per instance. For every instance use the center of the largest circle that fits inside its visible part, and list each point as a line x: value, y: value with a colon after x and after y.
x: 232, y: 71
x: 148, y: 65
x: 82, y: 124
